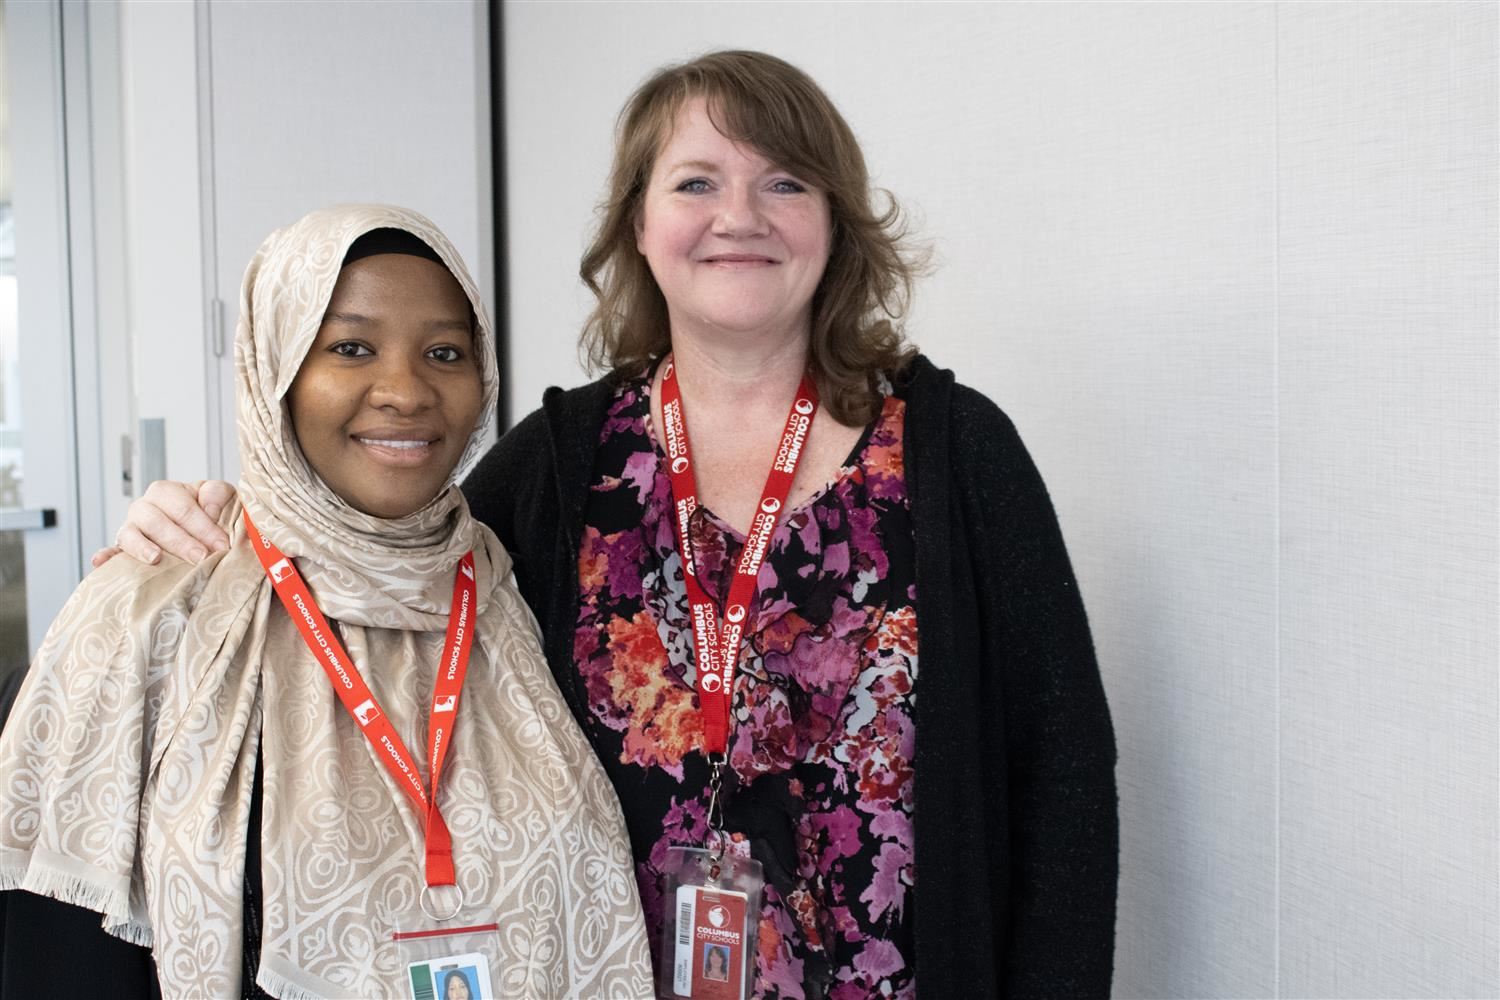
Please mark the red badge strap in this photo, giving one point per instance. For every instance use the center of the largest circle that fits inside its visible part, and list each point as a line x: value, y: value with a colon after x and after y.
x: 350, y: 686
x: 716, y: 645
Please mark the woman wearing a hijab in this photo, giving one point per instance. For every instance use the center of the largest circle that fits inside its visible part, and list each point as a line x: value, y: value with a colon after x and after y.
x: 177, y: 730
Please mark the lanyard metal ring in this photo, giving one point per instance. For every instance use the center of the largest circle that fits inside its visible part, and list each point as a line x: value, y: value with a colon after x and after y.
x: 458, y: 893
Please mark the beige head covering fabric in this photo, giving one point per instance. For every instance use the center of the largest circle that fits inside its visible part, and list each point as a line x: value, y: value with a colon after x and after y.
x: 129, y: 758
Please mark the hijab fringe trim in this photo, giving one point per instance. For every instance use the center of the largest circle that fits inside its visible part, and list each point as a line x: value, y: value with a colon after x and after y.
x: 280, y: 986
x: 90, y: 891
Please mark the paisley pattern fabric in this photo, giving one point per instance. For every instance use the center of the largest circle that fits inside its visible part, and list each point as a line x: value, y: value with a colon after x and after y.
x: 130, y: 757
x: 821, y: 789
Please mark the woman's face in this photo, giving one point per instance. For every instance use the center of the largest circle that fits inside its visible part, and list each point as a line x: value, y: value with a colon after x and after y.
x: 735, y: 243
x: 458, y: 988
x: 387, y: 397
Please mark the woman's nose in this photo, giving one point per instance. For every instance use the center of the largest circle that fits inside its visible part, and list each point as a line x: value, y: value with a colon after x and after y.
x: 740, y: 213
x: 402, y: 385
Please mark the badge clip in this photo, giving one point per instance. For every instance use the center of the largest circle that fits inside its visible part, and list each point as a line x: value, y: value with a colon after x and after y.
x: 715, y: 840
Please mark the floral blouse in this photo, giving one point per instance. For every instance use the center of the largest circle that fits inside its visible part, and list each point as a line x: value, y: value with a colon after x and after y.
x: 821, y: 749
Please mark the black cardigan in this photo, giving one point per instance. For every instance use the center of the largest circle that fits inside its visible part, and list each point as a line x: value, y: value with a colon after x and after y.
x: 1016, y: 834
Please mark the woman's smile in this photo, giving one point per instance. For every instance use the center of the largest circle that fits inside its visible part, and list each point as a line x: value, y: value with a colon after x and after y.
x: 739, y: 261
x: 397, y: 448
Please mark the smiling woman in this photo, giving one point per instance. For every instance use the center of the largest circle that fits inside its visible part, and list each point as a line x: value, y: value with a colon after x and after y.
x: 237, y: 782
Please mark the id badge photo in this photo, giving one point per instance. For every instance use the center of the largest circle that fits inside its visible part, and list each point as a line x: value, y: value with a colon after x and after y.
x: 451, y: 977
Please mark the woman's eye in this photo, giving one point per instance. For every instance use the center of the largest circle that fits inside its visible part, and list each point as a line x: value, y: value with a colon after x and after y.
x: 693, y: 185
x: 787, y: 186
x: 351, y: 349
x: 446, y: 353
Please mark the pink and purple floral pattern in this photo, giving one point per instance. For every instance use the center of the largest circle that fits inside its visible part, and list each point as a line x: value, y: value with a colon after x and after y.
x: 821, y: 755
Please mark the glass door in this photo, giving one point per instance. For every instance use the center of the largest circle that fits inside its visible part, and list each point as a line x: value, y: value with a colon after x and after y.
x: 13, y: 633
x: 40, y: 558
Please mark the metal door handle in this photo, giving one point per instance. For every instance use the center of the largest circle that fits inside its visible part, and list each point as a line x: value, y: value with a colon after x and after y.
x: 20, y: 519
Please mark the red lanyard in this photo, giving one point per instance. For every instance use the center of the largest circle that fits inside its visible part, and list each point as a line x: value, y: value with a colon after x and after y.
x: 350, y: 686
x: 716, y: 646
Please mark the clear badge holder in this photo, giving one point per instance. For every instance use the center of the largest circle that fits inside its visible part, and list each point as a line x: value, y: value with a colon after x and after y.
x: 448, y: 951
x: 711, y: 903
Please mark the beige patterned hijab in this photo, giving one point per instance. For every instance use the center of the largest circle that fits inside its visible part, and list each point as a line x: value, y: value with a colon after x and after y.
x: 130, y: 755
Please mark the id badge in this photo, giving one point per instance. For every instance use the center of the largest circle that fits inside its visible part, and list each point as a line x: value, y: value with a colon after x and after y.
x: 453, y: 956
x: 709, y: 926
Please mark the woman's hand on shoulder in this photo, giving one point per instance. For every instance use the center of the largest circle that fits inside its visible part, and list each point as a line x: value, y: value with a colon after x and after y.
x: 180, y: 518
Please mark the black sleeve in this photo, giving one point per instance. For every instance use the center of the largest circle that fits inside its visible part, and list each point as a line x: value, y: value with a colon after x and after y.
x: 1043, y: 691
x: 511, y: 492
x: 11, y: 678
x: 516, y: 491
x: 52, y: 949
x: 487, y: 487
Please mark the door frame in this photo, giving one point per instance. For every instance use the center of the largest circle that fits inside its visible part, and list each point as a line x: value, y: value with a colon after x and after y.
x: 59, y: 296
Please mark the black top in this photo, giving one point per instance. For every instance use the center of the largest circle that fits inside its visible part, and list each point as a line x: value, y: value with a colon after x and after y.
x: 1016, y: 829
x: 49, y: 948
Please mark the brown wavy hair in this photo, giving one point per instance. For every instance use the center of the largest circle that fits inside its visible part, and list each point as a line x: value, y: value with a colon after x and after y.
x: 777, y: 109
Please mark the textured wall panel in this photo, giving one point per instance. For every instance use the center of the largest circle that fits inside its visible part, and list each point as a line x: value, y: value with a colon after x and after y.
x: 1112, y: 285
x: 1389, y: 383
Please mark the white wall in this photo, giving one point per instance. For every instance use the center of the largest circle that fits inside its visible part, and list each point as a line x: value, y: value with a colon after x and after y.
x: 1232, y: 269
